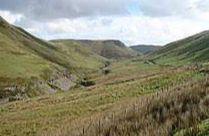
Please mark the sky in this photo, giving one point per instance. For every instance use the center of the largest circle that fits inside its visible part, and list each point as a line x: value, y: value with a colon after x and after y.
x: 134, y: 22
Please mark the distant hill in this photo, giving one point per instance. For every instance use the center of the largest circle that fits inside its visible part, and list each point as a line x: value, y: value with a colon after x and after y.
x: 192, y: 49
x: 109, y: 49
x: 145, y: 49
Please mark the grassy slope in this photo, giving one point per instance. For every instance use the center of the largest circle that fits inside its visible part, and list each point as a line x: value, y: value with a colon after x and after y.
x: 61, y: 113
x: 192, y: 49
x: 82, y: 57
x: 15, y: 58
x: 159, y: 114
x: 110, y: 49
x: 26, y: 57
x: 23, y: 55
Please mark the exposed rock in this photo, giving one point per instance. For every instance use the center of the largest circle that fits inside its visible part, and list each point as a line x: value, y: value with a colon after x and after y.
x: 15, y: 90
x: 63, y: 81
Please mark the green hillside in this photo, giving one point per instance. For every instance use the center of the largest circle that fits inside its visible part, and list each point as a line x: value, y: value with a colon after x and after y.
x: 16, y: 53
x: 25, y: 59
x: 110, y: 49
x: 29, y: 63
x: 192, y: 49
x: 19, y: 46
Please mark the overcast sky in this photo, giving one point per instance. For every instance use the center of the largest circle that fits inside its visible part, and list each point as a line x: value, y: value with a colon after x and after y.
x: 132, y: 21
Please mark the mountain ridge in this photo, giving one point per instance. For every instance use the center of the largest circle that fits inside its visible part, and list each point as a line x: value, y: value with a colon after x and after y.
x: 110, y: 49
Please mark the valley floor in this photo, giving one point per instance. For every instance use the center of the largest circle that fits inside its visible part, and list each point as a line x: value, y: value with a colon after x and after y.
x: 135, y: 98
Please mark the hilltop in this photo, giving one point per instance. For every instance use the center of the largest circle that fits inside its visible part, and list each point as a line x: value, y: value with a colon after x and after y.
x: 110, y: 49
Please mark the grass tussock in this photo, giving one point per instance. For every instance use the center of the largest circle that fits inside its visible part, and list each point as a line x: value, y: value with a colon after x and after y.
x: 162, y: 113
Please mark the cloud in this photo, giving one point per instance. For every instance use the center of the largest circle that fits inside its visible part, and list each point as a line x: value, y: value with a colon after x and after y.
x: 167, y: 7
x: 132, y: 21
x: 11, y: 17
x: 53, y: 9
x: 203, y: 5
x: 130, y: 29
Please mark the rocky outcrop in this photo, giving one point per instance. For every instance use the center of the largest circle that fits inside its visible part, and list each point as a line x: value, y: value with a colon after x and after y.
x: 23, y: 88
x: 62, y: 80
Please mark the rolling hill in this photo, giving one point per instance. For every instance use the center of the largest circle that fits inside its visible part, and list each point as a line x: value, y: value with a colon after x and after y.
x: 32, y: 66
x: 26, y: 59
x: 110, y: 49
x: 192, y: 49
x: 145, y: 49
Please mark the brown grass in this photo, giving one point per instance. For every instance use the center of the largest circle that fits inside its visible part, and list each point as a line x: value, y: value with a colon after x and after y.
x: 159, y: 114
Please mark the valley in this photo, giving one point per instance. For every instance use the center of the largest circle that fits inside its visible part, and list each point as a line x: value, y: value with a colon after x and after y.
x: 70, y: 87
